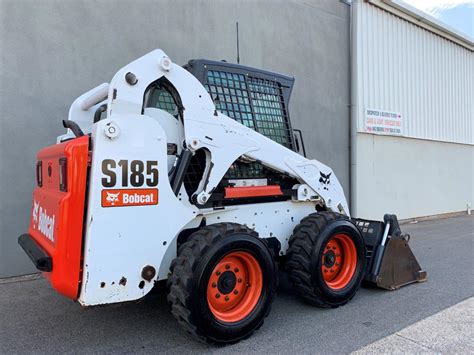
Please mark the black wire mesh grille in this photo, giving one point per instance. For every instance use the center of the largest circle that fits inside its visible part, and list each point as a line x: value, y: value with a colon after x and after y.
x: 270, y: 115
x: 195, y: 171
x: 254, y: 102
x: 231, y: 96
x: 257, y: 104
x: 160, y: 98
x: 242, y: 170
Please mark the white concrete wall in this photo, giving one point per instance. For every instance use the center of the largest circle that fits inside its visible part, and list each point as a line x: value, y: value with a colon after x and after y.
x: 412, y: 177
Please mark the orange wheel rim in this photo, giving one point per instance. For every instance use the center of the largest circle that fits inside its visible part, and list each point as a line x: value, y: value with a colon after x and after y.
x: 234, y: 287
x: 339, y: 261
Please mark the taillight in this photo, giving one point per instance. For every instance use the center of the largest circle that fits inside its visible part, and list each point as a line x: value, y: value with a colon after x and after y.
x: 39, y: 173
x: 63, y: 174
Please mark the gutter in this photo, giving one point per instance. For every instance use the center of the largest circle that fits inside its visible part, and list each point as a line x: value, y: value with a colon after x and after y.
x: 354, y: 109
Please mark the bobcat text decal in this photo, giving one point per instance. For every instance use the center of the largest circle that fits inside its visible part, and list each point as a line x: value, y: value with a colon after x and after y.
x: 43, y: 222
x: 129, y: 197
x: 123, y: 173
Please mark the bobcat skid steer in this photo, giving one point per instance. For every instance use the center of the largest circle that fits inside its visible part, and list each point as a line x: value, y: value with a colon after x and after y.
x: 193, y: 175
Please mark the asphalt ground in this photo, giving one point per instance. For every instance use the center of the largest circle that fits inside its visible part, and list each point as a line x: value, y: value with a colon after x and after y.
x: 33, y: 318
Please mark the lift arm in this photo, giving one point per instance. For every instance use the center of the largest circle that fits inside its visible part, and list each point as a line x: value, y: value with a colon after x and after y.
x: 224, y: 138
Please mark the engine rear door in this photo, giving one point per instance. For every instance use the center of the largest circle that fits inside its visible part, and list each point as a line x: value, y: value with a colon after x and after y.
x: 57, y: 213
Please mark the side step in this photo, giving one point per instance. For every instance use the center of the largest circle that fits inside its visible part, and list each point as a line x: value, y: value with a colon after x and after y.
x: 37, y: 254
x: 390, y: 261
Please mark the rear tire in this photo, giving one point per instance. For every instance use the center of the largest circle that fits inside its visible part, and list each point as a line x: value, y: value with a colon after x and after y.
x: 222, y: 283
x: 326, y: 259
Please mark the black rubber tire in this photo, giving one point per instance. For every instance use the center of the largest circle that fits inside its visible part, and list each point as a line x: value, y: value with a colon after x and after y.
x: 190, y: 273
x: 304, y: 258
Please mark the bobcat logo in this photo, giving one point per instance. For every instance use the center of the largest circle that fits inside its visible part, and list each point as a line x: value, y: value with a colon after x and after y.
x: 35, y: 213
x: 112, y: 198
x: 325, y: 179
x: 42, y: 221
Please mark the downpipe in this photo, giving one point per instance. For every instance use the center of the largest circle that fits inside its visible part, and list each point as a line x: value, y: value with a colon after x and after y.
x: 354, y: 114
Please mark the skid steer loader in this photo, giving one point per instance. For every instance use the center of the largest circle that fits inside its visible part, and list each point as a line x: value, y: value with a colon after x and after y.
x: 193, y: 175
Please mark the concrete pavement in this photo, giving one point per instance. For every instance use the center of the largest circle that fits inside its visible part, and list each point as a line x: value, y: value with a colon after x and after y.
x: 36, y: 319
x: 449, y: 331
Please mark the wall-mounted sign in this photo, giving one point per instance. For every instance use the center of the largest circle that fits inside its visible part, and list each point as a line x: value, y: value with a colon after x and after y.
x: 383, y: 122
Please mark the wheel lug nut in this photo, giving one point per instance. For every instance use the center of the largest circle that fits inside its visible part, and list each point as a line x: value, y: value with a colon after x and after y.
x: 218, y: 273
x: 214, y: 284
x: 239, y: 280
x: 226, y: 298
x: 236, y: 269
x: 337, y: 264
x: 333, y: 248
x: 325, y: 270
x: 236, y: 292
x: 218, y: 295
x: 332, y: 270
x: 227, y: 267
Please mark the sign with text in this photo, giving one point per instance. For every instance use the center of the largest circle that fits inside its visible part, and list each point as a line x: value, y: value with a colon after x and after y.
x: 383, y: 122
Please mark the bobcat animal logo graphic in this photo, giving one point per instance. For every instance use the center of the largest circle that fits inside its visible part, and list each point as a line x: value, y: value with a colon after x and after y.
x: 325, y: 179
x: 112, y: 198
x: 35, y: 212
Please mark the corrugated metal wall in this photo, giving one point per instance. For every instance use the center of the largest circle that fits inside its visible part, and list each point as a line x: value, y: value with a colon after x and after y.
x: 407, y: 69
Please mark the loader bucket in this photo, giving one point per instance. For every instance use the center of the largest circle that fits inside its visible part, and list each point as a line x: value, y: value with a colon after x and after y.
x: 399, y: 266
x: 390, y: 261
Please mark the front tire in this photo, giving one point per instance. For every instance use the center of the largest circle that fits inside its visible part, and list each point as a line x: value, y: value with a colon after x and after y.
x: 222, y: 283
x: 326, y: 259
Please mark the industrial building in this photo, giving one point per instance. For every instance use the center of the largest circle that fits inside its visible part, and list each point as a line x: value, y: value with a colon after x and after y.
x: 383, y: 92
x: 412, y: 136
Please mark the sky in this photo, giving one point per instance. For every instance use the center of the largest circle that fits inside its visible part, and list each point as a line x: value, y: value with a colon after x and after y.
x: 458, y: 14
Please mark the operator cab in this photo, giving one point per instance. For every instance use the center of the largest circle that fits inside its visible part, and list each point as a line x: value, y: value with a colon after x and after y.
x: 256, y: 98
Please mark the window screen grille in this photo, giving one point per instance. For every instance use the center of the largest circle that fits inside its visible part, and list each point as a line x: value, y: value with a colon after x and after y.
x: 160, y: 98
x: 254, y: 102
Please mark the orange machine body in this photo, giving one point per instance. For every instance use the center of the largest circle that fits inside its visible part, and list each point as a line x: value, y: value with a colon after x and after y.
x: 57, y: 214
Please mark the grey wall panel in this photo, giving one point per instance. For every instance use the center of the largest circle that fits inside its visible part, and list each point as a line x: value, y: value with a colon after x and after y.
x: 53, y: 51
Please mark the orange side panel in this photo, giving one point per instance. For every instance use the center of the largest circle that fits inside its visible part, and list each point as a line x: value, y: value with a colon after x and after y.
x: 57, y: 216
x: 252, y: 191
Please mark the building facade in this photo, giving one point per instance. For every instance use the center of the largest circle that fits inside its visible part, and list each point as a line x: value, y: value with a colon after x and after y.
x: 412, y: 113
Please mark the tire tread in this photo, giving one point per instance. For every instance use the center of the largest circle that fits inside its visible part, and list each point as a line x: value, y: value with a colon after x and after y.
x: 182, y: 268
x: 301, y: 244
